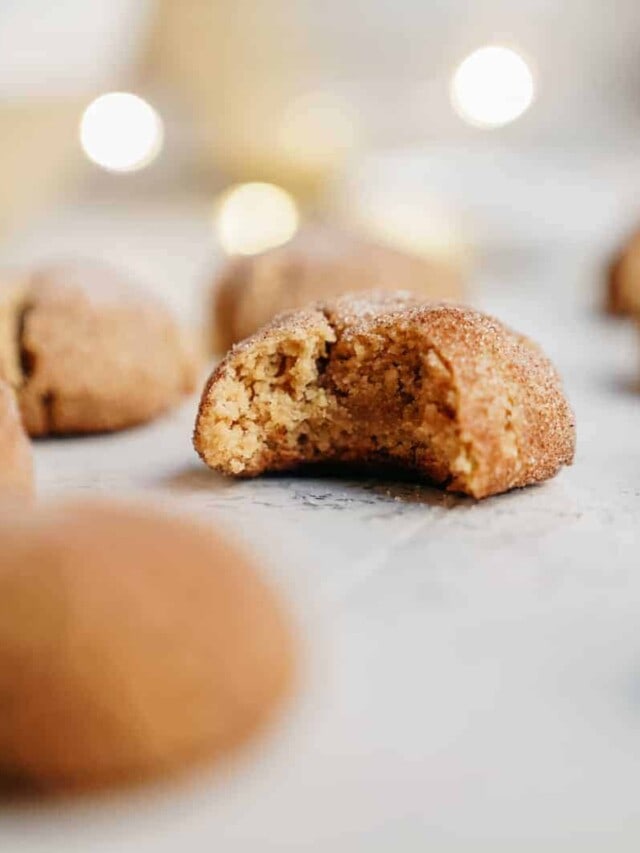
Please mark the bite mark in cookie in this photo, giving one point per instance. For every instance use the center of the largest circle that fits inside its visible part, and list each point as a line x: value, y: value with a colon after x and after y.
x: 386, y: 380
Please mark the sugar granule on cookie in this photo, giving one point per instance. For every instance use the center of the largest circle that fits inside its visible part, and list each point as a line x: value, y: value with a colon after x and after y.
x: 388, y: 381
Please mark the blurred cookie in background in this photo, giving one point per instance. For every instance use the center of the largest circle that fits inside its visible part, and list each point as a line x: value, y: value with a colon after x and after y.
x: 623, y: 282
x: 89, y: 352
x: 319, y: 262
x: 133, y: 644
x: 16, y: 465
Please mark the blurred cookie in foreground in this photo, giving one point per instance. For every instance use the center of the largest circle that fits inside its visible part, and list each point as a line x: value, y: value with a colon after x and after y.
x: 623, y: 283
x: 389, y: 382
x: 16, y: 466
x: 91, y: 352
x: 12, y: 287
x: 132, y: 645
x: 319, y: 263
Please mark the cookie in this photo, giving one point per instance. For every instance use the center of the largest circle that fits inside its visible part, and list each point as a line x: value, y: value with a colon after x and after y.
x: 132, y: 644
x: 623, y: 281
x: 319, y: 263
x: 11, y: 294
x: 94, y: 353
x: 382, y: 380
x: 16, y: 467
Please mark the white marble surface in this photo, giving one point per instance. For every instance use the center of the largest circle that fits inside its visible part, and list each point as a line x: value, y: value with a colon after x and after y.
x: 472, y: 670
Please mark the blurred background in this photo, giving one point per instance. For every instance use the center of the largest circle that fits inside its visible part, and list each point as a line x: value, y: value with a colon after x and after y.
x: 457, y: 129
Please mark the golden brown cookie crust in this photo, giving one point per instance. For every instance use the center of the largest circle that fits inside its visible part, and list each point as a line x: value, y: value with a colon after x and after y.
x: 16, y: 465
x: 132, y: 644
x: 319, y: 263
x: 95, y: 353
x: 441, y: 390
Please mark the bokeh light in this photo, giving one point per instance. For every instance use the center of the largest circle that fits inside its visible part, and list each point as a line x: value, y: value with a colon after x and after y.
x: 492, y: 87
x: 121, y: 132
x: 250, y: 218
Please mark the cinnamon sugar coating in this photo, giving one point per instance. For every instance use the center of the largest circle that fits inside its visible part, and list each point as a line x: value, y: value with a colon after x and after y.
x: 319, y: 263
x: 386, y: 380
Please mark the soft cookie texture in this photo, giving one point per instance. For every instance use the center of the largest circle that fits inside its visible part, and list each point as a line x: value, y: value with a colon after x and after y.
x: 319, y: 263
x: 16, y: 467
x: 89, y: 352
x: 132, y: 644
x: 623, y: 286
x: 380, y: 380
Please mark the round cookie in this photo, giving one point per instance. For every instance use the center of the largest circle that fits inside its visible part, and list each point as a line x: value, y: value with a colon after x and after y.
x: 623, y: 284
x: 11, y: 295
x: 382, y: 380
x: 96, y: 354
x: 319, y: 263
x: 132, y: 644
x: 16, y: 466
